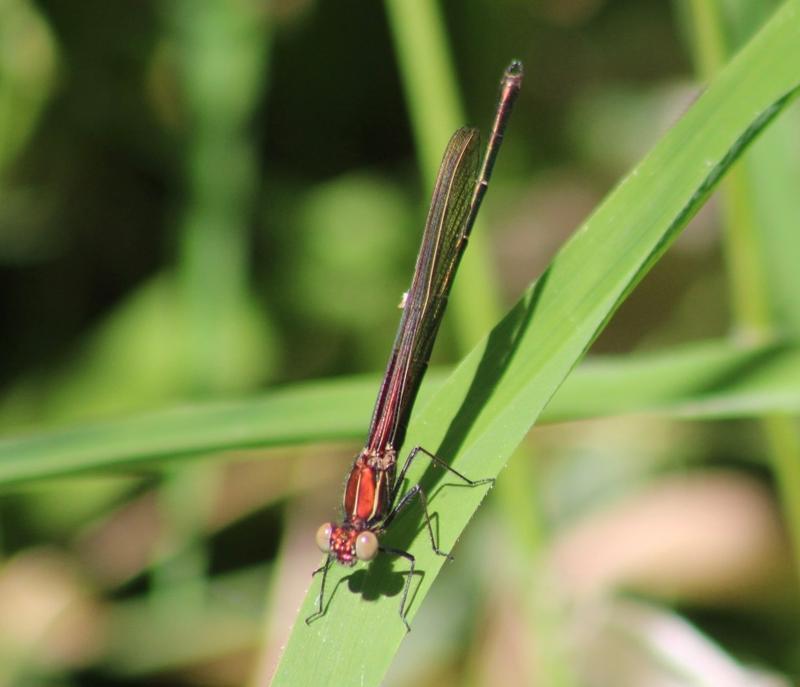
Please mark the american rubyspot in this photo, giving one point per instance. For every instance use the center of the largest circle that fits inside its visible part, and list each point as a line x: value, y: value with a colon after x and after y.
x: 372, y: 489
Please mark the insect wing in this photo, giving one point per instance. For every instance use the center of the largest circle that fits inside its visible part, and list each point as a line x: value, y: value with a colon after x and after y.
x: 443, y: 243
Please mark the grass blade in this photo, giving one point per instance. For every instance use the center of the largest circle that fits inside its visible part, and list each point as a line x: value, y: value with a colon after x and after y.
x: 485, y: 408
x: 712, y: 379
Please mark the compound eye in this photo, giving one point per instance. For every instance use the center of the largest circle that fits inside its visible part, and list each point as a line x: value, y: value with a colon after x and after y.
x: 366, y: 546
x: 324, y: 537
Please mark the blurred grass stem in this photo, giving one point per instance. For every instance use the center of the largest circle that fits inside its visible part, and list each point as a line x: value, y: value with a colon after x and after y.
x: 434, y: 107
x: 751, y: 301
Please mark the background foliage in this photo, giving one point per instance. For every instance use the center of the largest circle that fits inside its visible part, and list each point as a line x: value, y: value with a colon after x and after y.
x: 209, y: 211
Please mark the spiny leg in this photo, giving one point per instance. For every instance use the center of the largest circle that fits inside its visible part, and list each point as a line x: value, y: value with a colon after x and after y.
x: 411, y: 562
x: 324, y: 570
x: 416, y: 490
x: 439, y: 463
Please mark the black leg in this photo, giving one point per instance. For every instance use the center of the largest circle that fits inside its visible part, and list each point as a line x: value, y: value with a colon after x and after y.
x: 411, y: 561
x: 324, y: 570
x: 416, y: 490
x: 439, y: 463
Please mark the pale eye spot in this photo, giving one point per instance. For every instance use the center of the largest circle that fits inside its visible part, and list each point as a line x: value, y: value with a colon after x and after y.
x: 324, y: 537
x: 366, y: 546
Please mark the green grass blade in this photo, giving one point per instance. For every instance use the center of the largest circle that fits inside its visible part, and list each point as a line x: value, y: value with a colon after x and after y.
x: 485, y: 408
x: 713, y: 379
x: 755, y: 230
x: 305, y: 412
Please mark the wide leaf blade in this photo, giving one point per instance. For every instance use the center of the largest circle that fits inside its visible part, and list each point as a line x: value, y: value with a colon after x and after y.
x: 489, y: 403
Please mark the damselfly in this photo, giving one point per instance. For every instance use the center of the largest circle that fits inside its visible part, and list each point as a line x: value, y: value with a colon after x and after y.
x: 372, y: 498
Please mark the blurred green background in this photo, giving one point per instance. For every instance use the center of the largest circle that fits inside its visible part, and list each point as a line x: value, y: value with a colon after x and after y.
x: 204, y: 200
